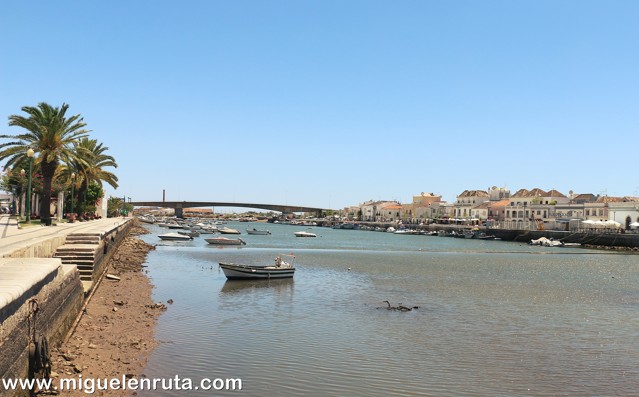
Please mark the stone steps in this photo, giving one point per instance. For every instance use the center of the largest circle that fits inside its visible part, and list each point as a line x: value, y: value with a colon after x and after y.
x: 83, y: 250
x: 83, y: 238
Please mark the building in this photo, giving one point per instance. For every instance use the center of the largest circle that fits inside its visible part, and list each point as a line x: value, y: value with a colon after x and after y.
x: 468, y: 200
x: 533, y: 209
x: 417, y: 211
x: 373, y: 211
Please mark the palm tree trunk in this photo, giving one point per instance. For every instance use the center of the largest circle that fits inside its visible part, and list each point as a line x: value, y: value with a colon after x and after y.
x: 48, y: 169
x: 82, y: 194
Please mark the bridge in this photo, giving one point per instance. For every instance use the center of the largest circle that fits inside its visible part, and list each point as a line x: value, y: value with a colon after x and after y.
x: 180, y: 205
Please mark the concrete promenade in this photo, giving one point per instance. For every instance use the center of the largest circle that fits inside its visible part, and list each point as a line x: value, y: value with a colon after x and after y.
x: 13, y: 239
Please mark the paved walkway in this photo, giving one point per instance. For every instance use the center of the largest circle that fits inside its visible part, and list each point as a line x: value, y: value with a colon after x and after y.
x: 12, y: 238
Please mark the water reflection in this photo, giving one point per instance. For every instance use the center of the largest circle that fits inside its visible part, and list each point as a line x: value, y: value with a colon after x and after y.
x: 220, y: 247
x: 236, y: 286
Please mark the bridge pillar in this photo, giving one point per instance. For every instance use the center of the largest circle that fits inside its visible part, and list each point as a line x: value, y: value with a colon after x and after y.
x: 179, y: 212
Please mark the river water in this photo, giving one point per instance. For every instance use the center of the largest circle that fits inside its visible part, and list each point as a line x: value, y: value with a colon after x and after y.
x: 494, y: 318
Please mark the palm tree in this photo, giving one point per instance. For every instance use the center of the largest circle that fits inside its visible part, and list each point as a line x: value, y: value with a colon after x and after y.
x: 88, y: 164
x: 51, y: 135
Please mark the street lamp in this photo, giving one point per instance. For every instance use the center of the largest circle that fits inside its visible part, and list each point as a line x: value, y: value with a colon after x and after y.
x: 30, y: 154
x: 72, y: 184
x: 22, y: 174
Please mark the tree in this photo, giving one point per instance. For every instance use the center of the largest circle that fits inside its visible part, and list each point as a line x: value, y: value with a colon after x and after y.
x: 116, y: 207
x: 88, y: 164
x: 51, y: 134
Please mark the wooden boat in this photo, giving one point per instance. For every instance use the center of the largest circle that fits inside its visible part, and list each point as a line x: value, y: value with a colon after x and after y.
x: 228, y: 230
x: 225, y: 241
x: 281, y: 269
x: 175, y: 237
x: 257, y: 232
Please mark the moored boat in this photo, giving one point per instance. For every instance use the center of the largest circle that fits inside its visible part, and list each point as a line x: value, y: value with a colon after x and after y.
x: 304, y: 234
x: 228, y: 230
x: 258, y: 232
x: 281, y: 269
x: 225, y: 241
x: 175, y: 237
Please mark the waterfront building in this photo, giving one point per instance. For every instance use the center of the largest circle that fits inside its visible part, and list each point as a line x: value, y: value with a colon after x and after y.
x: 372, y: 210
x: 417, y: 210
x: 533, y: 209
x: 480, y: 212
x: 625, y: 211
x: 351, y: 213
x: 497, y: 210
x: 389, y: 212
x: 440, y: 210
x: 468, y: 200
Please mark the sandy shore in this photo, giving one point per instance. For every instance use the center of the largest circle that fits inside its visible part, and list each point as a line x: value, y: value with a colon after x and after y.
x: 115, y: 335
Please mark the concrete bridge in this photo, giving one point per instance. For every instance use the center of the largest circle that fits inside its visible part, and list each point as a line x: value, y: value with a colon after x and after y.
x: 180, y: 205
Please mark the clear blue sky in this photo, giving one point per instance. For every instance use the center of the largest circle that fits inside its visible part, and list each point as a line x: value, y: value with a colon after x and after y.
x: 332, y: 103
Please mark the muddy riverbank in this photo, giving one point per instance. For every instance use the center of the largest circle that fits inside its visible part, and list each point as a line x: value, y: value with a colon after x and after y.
x: 115, y: 334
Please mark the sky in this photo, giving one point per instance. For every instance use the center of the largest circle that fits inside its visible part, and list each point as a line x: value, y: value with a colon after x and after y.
x: 332, y: 103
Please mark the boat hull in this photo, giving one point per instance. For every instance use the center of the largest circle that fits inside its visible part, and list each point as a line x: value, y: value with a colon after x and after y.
x: 258, y: 232
x: 175, y: 237
x: 244, y: 272
x: 225, y: 241
x: 304, y: 234
x: 226, y: 230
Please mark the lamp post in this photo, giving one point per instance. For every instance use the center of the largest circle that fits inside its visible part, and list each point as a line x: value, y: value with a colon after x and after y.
x: 30, y: 154
x: 72, y: 185
x: 22, y: 193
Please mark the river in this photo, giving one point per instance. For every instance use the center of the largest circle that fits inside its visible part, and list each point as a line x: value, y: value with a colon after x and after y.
x: 493, y: 319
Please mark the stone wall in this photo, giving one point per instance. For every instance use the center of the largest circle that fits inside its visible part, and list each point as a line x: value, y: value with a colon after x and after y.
x: 60, y: 298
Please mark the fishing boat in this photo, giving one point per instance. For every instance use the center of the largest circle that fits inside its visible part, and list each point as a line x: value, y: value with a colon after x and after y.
x: 225, y: 241
x: 175, y: 237
x: 281, y: 269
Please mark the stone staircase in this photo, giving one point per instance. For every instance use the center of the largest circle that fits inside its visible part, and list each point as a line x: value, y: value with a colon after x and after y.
x: 83, y: 250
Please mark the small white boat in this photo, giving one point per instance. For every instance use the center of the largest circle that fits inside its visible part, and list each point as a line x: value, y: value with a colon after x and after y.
x: 148, y: 218
x: 175, y: 237
x: 228, y: 230
x: 546, y: 242
x: 257, y: 232
x: 189, y: 233
x: 281, y: 269
x: 208, y: 230
x: 225, y: 241
x: 304, y: 234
